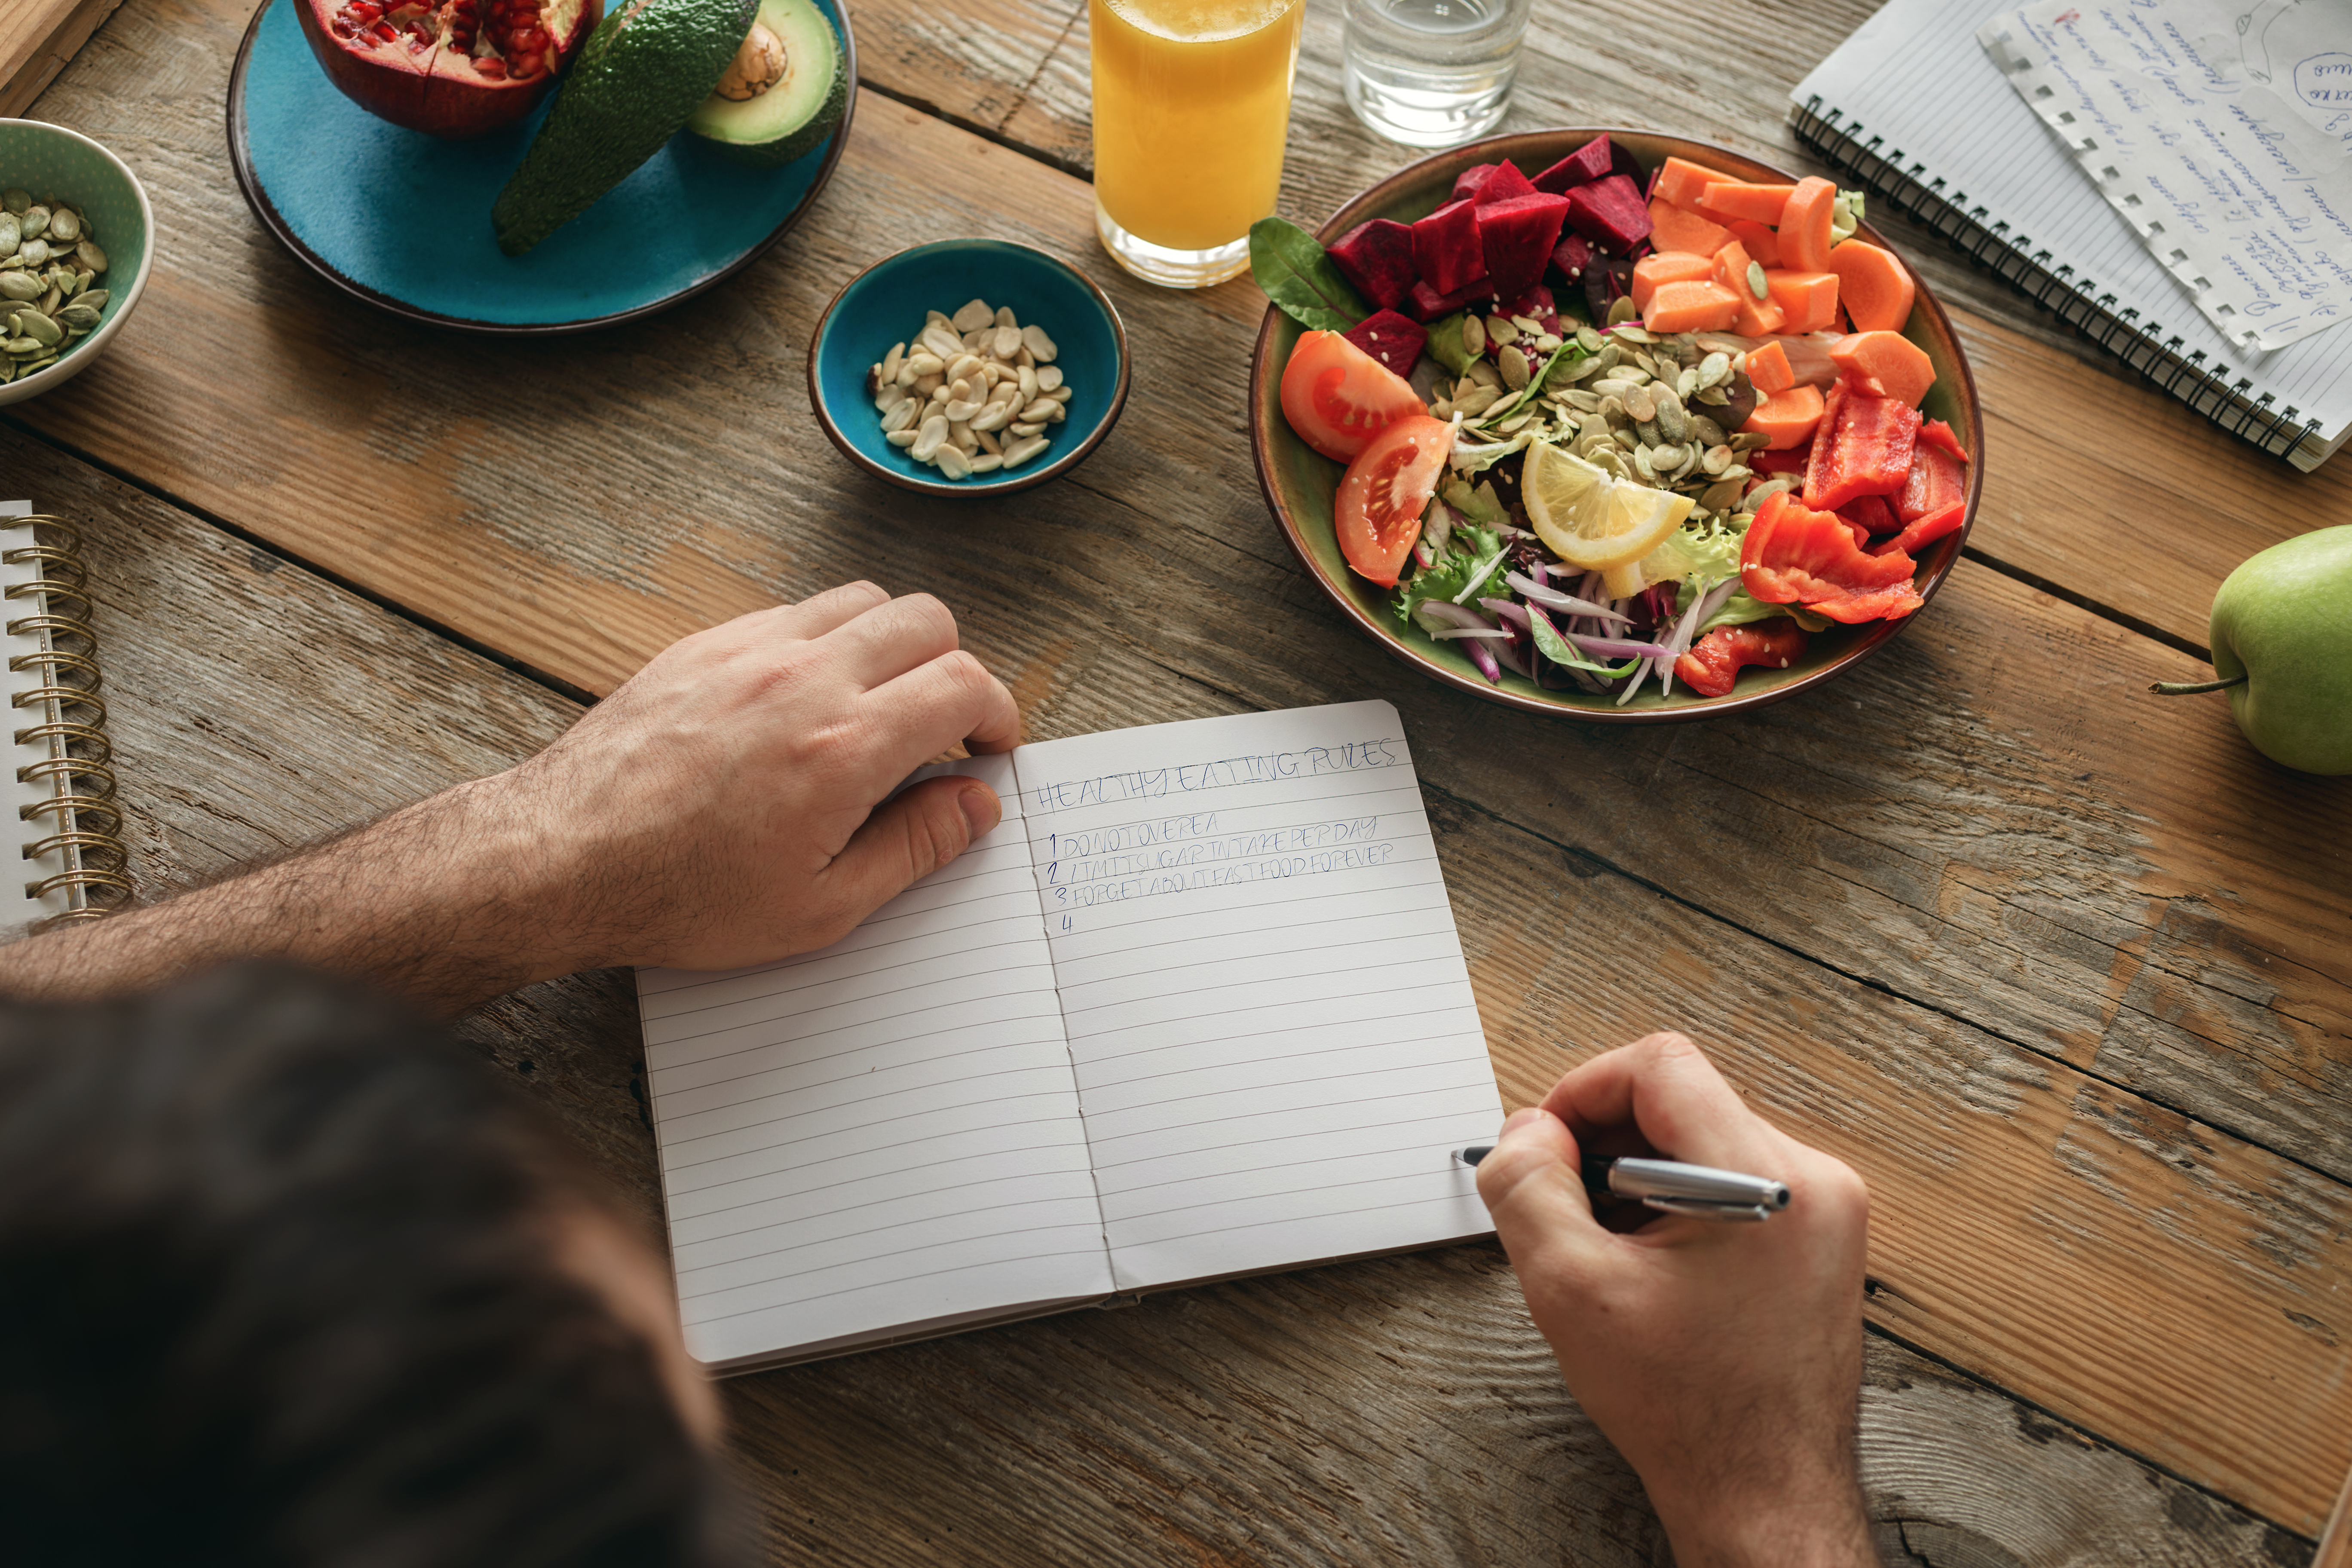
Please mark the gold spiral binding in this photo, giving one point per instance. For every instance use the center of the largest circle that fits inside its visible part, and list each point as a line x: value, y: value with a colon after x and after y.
x: 85, y: 821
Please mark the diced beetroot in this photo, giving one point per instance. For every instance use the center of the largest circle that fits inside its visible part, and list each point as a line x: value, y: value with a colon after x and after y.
x: 1467, y: 183
x: 1586, y: 164
x: 1445, y: 250
x: 1426, y: 304
x: 1395, y: 341
x: 1622, y: 162
x: 1506, y: 183
x: 1376, y: 258
x: 1519, y: 234
x: 1610, y: 213
x: 1571, y: 256
x: 1536, y: 305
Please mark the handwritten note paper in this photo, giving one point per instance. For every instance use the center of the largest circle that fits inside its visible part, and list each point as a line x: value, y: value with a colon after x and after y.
x: 1276, y: 1042
x: 2222, y: 131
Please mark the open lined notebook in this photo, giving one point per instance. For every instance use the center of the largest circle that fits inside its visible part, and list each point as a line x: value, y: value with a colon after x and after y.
x: 1914, y: 108
x: 1196, y: 1008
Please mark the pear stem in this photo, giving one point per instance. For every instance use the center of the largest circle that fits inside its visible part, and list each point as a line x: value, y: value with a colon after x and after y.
x: 2193, y: 688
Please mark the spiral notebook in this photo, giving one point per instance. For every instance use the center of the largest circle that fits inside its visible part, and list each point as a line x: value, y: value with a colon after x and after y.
x: 69, y: 825
x: 1913, y: 108
x: 1196, y: 1008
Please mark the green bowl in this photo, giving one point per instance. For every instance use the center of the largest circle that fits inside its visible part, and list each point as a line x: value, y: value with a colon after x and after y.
x: 51, y: 161
x: 1300, y: 483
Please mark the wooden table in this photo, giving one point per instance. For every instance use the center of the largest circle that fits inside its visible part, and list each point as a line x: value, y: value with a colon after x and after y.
x: 2065, y: 969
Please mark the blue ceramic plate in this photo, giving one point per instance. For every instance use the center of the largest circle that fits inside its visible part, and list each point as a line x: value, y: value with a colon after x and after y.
x: 403, y: 220
x: 886, y: 304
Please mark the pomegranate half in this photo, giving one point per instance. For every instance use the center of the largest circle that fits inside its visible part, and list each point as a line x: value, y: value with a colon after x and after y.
x: 447, y: 67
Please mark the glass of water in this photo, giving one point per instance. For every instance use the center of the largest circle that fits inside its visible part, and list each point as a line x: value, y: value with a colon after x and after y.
x: 1431, y: 73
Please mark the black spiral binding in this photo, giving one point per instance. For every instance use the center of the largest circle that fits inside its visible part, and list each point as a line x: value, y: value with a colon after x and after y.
x: 86, y: 822
x: 2140, y: 346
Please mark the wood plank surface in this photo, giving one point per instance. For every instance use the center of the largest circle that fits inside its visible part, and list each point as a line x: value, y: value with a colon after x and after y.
x: 37, y: 39
x: 1400, y: 1411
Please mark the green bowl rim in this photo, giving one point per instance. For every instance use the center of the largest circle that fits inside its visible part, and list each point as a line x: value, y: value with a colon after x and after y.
x: 1556, y: 143
x: 120, y: 310
x: 989, y: 485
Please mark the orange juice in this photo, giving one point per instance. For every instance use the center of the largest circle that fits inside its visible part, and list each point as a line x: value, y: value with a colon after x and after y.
x: 1191, y: 103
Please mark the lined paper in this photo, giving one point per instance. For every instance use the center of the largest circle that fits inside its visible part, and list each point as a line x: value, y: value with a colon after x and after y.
x: 882, y: 1133
x: 1263, y: 990
x: 1915, y: 79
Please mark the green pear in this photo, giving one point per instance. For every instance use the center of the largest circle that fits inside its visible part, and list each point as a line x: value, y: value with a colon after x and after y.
x: 2282, y: 635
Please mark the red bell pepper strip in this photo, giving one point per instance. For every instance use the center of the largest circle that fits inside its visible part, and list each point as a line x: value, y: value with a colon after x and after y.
x: 1871, y: 514
x: 1863, y: 447
x: 1795, y: 555
x: 1926, y: 530
x: 1935, y: 483
x: 1712, y: 666
x: 1936, y: 433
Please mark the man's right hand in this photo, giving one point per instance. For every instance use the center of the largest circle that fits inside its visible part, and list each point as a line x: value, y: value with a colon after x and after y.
x: 1724, y: 1359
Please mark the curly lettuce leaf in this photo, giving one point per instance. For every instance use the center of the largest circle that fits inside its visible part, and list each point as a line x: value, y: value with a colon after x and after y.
x: 1453, y: 576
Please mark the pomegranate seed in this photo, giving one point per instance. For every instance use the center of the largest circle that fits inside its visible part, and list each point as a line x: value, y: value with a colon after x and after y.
x: 343, y: 28
x: 527, y: 65
x: 363, y: 12
x: 491, y: 66
x: 384, y: 33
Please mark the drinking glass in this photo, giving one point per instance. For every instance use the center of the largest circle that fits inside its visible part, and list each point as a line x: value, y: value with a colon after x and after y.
x: 1431, y: 73
x: 1191, y: 105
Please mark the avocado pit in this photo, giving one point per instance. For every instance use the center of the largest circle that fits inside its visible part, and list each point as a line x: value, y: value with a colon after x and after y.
x: 758, y: 66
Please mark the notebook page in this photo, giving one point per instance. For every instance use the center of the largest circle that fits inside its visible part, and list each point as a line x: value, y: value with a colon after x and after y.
x: 17, y: 910
x: 881, y: 1133
x: 1915, y: 77
x: 1277, y: 1046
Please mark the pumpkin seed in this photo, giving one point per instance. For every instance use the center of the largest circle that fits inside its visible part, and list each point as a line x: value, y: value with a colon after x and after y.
x: 35, y: 222
x: 1473, y: 336
x: 1515, y: 367
x: 34, y: 324
x: 65, y: 224
x: 33, y: 253
x: 1620, y: 312
x: 1715, y: 460
x: 19, y: 287
x: 1641, y: 406
x: 15, y: 202
x: 1715, y: 370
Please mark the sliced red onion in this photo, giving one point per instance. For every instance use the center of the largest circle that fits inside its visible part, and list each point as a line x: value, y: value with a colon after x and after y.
x: 1421, y: 552
x: 1495, y: 633
x: 1506, y: 610
x: 1635, y: 684
x: 1553, y: 599
x: 1507, y: 655
x: 1451, y: 615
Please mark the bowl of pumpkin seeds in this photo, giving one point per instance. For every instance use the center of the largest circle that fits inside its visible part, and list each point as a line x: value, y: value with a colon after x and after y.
x: 76, y: 242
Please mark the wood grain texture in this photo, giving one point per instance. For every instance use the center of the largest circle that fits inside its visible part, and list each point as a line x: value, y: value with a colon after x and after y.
x: 1390, y: 1412
x: 37, y: 39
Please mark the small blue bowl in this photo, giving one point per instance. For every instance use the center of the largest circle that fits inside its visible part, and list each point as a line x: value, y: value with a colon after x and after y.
x: 887, y: 304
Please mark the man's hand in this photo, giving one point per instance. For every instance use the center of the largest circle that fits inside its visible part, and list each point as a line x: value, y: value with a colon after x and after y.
x: 1724, y: 1359
x: 718, y: 810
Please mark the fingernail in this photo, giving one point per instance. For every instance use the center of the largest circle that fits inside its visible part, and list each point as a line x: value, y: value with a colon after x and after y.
x: 1520, y: 1117
x: 981, y: 808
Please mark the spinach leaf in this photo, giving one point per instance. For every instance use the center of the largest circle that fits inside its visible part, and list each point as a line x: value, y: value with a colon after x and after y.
x: 1289, y: 264
x: 1560, y: 650
x: 1446, y: 347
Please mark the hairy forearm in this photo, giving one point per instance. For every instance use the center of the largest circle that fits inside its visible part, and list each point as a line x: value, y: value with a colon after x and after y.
x: 434, y: 903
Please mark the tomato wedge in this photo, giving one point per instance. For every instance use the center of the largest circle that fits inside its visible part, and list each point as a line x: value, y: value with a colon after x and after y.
x: 1795, y: 555
x: 1338, y: 397
x: 1384, y: 492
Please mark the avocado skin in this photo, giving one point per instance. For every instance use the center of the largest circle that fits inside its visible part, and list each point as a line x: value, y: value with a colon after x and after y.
x: 642, y: 73
x: 792, y: 148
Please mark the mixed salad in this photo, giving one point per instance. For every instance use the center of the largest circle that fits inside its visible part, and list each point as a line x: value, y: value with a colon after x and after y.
x: 1607, y: 425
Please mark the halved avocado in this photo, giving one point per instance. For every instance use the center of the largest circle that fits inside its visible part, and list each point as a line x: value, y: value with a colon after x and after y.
x: 784, y: 93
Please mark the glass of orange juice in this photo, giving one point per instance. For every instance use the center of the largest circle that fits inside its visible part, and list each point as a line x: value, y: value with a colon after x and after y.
x: 1191, y: 104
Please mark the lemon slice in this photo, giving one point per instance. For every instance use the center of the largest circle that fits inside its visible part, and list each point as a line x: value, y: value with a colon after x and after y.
x: 1589, y: 517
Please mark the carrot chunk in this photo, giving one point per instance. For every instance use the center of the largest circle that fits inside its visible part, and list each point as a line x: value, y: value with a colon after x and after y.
x: 1808, y: 299
x: 1786, y: 419
x: 1692, y: 307
x: 1888, y: 365
x: 1768, y: 367
x: 1667, y: 266
x: 1763, y: 245
x: 1758, y: 314
x: 1805, y: 225
x: 1673, y: 229
x: 1682, y: 183
x: 1877, y: 289
x: 1727, y: 199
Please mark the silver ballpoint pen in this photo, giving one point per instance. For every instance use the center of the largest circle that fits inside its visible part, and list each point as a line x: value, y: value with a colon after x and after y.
x: 1700, y: 1191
